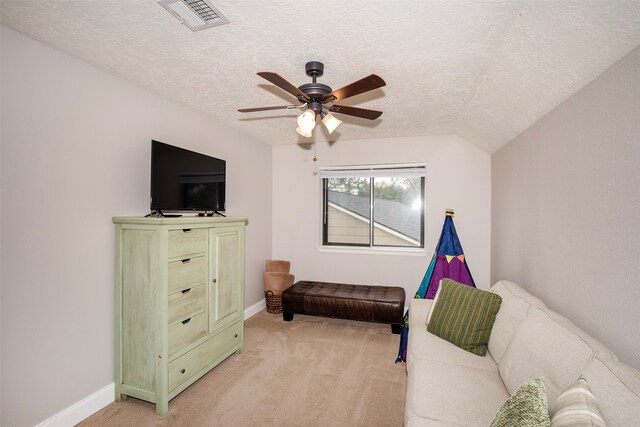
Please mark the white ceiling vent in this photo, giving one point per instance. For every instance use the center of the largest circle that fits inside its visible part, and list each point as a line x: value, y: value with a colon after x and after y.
x: 195, y: 14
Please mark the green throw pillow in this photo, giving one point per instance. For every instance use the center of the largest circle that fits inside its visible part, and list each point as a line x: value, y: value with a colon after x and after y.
x: 464, y: 316
x: 526, y: 408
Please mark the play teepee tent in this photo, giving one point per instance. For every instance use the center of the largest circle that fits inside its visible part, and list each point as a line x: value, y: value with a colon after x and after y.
x: 447, y: 262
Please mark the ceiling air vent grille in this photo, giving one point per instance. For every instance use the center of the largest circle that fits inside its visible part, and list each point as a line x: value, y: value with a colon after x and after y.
x: 195, y: 14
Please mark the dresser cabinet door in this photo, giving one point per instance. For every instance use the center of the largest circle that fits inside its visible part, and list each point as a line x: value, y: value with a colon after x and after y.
x: 226, y: 277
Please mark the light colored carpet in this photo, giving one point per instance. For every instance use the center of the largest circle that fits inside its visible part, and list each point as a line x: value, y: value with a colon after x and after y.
x: 312, y: 371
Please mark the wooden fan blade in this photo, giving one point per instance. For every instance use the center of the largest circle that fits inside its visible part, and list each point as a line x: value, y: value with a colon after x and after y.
x: 279, y: 81
x: 355, y: 111
x: 280, y: 107
x: 356, y: 88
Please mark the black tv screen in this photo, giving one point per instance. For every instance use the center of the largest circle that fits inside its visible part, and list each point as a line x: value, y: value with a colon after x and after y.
x: 183, y: 180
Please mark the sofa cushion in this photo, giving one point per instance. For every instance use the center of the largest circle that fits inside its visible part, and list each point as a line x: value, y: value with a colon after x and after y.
x: 616, y: 387
x: 464, y: 316
x: 514, y: 308
x: 425, y: 345
x: 542, y: 347
x: 452, y: 394
x: 518, y: 291
x: 526, y: 408
x: 576, y: 406
x: 602, y: 351
x: 418, y: 309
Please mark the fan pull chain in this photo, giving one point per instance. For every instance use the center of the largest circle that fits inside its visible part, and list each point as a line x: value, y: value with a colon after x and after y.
x: 315, y: 158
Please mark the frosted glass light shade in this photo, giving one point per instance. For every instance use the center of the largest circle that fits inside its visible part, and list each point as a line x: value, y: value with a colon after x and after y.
x: 306, y: 134
x: 330, y: 122
x: 307, y: 120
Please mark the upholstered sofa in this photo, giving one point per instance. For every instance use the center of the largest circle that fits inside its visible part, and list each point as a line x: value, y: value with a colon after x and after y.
x: 448, y: 386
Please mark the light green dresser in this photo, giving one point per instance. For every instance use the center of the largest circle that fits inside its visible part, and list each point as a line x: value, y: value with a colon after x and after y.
x: 179, y: 302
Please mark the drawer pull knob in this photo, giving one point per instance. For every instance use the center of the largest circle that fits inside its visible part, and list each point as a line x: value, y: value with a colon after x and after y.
x: 186, y: 261
x: 186, y: 230
x: 186, y: 291
x: 235, y: 336
x: 182, y: 371
x: 214, y: 280
x: 184, y: 322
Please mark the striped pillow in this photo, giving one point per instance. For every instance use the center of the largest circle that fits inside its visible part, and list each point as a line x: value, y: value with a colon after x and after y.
x: 576, y: 406
x: 464, y: 316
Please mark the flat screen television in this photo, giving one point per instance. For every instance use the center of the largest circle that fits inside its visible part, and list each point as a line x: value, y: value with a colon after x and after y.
x: 183, y: 180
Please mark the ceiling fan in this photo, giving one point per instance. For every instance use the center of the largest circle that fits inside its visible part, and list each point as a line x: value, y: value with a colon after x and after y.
x: 319, y: 99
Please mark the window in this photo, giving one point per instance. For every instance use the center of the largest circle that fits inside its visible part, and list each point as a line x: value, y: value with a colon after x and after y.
x: 391, y: 195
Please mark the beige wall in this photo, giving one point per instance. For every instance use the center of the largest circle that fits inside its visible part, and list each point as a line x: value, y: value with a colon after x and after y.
x: 566, y: 208
x: 458, y: 177
x: 76, y: 151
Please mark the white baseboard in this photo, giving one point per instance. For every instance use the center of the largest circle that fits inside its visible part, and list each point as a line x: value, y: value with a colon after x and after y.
x: 254, y: 309
x: 101, y: 398
x: 82, y: 409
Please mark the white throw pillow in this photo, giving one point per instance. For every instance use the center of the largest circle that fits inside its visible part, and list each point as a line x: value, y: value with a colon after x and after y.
x: 435, y: 300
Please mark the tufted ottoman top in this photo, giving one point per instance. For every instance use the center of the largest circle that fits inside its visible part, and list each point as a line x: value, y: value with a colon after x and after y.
x: 359, y: 292
x: 357, y: 302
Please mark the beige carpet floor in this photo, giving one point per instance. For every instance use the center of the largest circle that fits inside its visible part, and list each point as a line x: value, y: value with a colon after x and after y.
x: 312, y: 371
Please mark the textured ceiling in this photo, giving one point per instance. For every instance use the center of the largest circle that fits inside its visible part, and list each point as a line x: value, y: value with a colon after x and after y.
x: 485, y: 70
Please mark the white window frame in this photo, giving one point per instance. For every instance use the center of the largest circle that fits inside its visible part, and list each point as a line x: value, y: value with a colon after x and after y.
x: 372, y: 171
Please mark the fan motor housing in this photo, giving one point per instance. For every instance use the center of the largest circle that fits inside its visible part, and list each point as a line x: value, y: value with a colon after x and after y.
x: 315, y: 90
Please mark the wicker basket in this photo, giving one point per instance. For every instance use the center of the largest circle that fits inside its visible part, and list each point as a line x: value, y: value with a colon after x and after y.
x: 274, y: 302
x: 278, y: 265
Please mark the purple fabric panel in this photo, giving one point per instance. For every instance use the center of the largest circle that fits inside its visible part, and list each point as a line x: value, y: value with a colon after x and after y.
x: 454, y: 270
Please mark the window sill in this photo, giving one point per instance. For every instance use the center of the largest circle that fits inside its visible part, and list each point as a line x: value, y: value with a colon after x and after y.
x: 374, y: 250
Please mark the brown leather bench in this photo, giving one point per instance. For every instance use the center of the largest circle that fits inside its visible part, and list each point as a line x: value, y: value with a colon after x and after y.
x: 382, y: 304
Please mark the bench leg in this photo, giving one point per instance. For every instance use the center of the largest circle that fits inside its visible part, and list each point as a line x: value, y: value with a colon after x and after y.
x: 395, y: 329
x: 287, y: 317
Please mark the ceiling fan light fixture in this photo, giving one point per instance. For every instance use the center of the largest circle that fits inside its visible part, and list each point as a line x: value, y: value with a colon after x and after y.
x: 307, y: 120
x: 306, y: 134
x: 319, y: 98
x: 331, y: 122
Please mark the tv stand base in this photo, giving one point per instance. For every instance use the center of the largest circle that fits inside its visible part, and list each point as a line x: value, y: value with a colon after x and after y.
x: 159, y: 214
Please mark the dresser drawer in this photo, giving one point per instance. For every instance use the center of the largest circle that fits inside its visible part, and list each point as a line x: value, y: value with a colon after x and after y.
x: 187, y: 303
x: 189, y: 364
x: 187, y: 241
x: 187, y: 332
x: 187, y: 272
